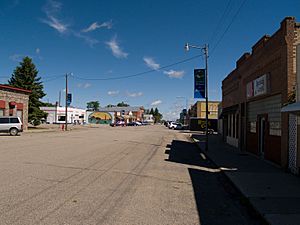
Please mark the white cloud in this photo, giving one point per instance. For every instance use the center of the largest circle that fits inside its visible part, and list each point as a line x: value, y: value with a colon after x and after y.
x: 113, y: 93
x: 157, y: 102
x: 37, y: 51
x: 151, y: 63
x: 90, y: 41
x: 174, y: 73
x: 96, y: 25
x: 85, y: 85
x: 133, y: 95
x: 116, y: 49
x: 16, y: 57
x: 52, y: 8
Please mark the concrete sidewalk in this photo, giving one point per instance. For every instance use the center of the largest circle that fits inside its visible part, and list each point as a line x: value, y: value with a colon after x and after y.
x: 274, y: 194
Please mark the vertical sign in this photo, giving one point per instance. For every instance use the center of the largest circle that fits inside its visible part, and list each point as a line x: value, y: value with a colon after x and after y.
x: 199, y: 79
x: 69, y: 99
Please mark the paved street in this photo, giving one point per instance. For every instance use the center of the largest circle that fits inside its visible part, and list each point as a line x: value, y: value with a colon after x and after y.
x: 121, y: 175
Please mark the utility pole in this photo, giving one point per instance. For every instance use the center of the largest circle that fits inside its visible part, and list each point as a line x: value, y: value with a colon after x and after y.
x: 205, y: 48
x: 206, y: 93
x: 59, y: 98
x: 66, y: 109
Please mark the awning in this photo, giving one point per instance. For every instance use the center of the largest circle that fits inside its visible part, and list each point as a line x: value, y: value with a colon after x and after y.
x: 292, y: 108
x: 228, y: 110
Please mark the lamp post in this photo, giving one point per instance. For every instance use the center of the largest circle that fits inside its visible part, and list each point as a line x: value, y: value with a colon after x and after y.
x: 205, y: 49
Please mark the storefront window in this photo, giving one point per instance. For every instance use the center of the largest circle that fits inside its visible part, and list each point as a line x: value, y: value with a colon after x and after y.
x: 253, y: 127
x: 1, y: 112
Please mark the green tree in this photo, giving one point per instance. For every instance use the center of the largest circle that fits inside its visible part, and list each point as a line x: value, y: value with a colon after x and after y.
x: 25, y: 76
x: 157, y: 115
x: 151, y: 111
x: 110, y: 105
x: 93, y: 105
x: 122, y: 104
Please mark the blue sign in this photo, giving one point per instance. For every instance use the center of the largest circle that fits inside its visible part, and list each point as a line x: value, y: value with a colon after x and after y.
x: 199, y: 79
x: 69, y: 99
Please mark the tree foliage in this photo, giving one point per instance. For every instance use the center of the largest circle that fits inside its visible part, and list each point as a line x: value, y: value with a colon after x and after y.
x: 26, y: 76
x: 156, y: 114
x: 122, y: 104
x: 93, y: 105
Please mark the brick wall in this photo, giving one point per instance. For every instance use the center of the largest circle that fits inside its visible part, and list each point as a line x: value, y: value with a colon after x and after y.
x: 273, y: 55
x: 20, y: 99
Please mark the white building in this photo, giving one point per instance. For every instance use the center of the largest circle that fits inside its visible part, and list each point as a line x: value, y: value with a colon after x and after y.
x: 148, y: 118
x: 57, y: 115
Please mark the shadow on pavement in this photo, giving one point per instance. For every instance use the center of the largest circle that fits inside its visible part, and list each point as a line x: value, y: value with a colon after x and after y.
x: 217, y: 201
x: 184, y: 152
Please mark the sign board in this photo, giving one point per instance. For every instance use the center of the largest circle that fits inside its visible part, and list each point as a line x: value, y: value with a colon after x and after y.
x: 257, y: 87
x: 199, y: 81
x: 260, y: 85
x: 250, y: 89
x: 69, y: 99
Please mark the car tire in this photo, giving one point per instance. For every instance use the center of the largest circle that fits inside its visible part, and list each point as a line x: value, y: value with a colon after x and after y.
x: 13, y: 131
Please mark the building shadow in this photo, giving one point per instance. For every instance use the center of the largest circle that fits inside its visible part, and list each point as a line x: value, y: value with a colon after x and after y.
x: 217, y: 201
x: 184, y: 152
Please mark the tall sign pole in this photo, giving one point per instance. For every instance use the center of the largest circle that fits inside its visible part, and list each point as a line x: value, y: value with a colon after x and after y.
x: 206, y: 93
x: 66, y: 107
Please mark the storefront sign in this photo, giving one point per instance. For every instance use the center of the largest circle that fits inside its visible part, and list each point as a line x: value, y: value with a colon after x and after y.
x: 69, y: 99
x: 260, y: 85
x: 257, y: 87
x: 199, y: 79
x: 250, y: 89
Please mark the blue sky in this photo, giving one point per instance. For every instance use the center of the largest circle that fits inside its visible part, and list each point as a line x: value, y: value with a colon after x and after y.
x: 108, y: 39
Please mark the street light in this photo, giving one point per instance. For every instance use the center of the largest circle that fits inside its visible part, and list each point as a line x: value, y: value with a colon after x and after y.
x: 187, y: 47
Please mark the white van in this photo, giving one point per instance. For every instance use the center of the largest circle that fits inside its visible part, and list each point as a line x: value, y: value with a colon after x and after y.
x: 10, y: 124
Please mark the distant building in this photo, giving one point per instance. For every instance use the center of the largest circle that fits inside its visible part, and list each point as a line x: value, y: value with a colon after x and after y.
x: 148, y: 118
x: 14, y: 102
x: 57, y: 115
x: 109, y: 115
x: 197, y: 116
x: 199, y: 109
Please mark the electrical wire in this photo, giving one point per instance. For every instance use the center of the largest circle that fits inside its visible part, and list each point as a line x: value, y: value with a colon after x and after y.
x: 53, y: 78
x: 227, y: 28
x: 226, y: 11
x: 141, y: 73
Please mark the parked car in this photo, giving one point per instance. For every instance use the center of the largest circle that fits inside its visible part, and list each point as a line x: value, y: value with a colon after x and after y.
x: 179, y: 126
x: 172, y: 125
x: 137, y: 123
x: 11, y: 125
x: 120, y: 123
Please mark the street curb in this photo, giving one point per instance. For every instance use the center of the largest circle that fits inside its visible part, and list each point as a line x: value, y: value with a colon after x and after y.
x: 248, y: 203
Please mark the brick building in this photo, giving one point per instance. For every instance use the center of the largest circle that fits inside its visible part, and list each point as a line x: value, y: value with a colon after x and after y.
x: 14, y: 102
x: 254, y: 92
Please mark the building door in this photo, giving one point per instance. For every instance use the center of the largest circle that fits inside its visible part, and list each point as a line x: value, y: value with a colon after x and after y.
x: 262, y: 121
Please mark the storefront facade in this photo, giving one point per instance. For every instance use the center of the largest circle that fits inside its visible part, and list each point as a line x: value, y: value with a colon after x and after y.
x: 254, y: 93
x: 14, y: 102
x: 109, y: 115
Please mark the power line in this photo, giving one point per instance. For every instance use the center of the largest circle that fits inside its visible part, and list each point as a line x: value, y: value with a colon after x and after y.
x: 227, y: 10
x: 52, y: 79
x: 229, y: 25
x: 141, y: 73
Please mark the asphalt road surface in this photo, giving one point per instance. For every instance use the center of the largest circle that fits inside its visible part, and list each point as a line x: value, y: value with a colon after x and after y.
x: 113, y: 175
